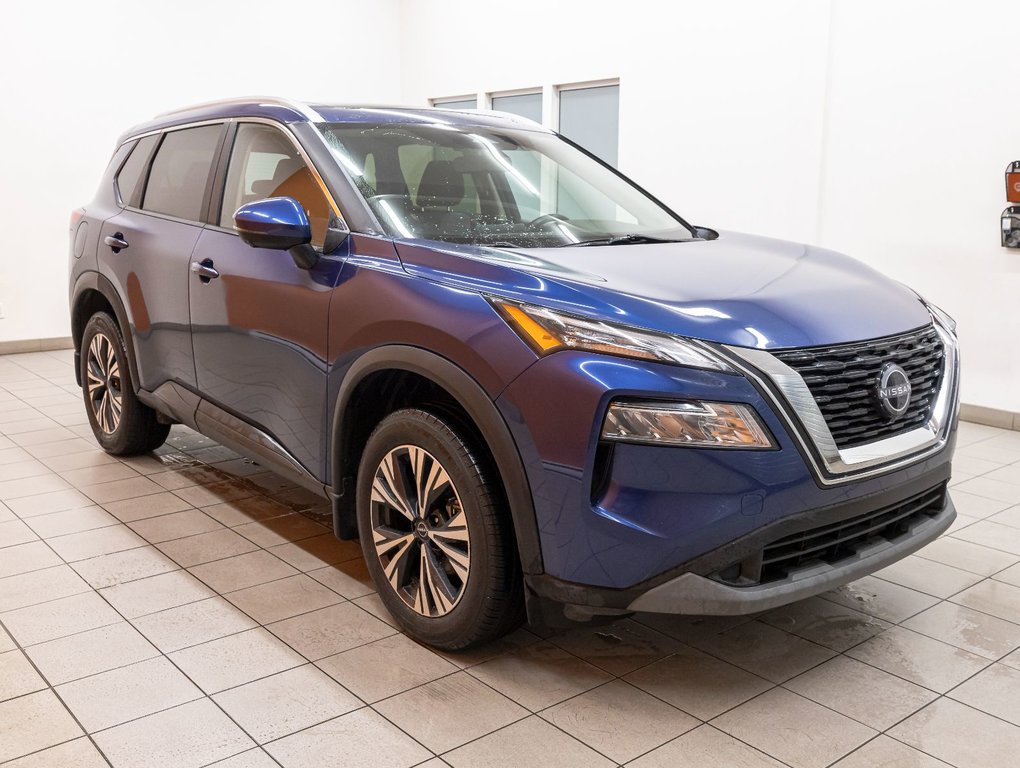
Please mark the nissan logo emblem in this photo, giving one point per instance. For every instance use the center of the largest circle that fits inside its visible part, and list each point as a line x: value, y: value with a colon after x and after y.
x: 893, y: 391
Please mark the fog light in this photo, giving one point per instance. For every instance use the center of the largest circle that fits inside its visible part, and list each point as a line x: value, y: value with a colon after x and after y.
x: 713, y: 425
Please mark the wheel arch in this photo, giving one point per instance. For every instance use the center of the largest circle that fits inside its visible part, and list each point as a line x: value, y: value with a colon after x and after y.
x: 348, y: 437
x: 93, y: 293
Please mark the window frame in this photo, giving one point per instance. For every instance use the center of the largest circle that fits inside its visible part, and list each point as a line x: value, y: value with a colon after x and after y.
x: 143, y: 178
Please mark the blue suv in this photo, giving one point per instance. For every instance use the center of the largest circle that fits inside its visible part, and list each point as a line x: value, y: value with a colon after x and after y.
x: 526, y: 385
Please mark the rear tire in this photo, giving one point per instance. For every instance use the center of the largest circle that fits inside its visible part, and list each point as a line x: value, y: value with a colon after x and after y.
x: 122, y: 424
x: 446, y: 567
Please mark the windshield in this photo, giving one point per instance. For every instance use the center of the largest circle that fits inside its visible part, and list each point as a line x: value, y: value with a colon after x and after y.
x: 509, y: 187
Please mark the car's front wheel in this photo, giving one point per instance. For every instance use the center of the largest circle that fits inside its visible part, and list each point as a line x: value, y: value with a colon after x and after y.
x: 436, y: 534
x: 122, y: 424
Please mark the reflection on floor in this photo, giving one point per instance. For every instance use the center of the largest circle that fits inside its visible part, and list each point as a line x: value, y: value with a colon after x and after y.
x: 188, y: 608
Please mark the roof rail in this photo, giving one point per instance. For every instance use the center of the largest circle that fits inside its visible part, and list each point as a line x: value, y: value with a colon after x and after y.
x: 297, y: 106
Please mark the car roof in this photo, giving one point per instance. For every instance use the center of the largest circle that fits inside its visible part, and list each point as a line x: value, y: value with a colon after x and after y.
x: 291, y: 111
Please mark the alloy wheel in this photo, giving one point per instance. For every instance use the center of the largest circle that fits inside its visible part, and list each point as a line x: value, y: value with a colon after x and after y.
x: 104, y: 383
x: 420, y: 531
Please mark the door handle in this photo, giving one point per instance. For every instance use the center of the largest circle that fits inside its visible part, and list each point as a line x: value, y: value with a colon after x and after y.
x: 204, y: 269
x: 116, y: 242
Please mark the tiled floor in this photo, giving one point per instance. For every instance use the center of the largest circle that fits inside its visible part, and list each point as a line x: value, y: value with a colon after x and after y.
x: 189, y: 609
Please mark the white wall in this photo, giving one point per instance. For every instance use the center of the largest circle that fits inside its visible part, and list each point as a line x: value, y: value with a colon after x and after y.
x: 75, y: 76
x: 879, y: 129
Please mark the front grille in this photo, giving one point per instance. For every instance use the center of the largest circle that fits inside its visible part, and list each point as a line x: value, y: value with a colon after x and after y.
x: 844, y: 382
x: 838, y: 541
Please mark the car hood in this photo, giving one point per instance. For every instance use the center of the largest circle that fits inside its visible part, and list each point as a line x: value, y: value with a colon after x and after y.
x: 739, y: 289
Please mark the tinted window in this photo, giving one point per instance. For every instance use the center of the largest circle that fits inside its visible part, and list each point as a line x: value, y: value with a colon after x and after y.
x: 264, y: 163
x: 132, y: 173
x: 180, y: 172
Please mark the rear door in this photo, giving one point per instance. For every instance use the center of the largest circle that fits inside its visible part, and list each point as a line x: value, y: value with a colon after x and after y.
x: 146, y: 248
x: 259, y: 326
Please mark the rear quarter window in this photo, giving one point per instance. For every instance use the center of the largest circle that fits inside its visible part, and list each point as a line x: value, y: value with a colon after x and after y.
x: 131, y: 177
x: 179, y: 174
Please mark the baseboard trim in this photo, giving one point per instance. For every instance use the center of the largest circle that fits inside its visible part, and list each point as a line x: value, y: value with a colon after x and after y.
x: 991, y: 417
x: 35, y: 345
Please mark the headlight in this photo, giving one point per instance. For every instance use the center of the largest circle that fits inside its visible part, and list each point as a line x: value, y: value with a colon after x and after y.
x: 715, y: 425
x: 547, y: 331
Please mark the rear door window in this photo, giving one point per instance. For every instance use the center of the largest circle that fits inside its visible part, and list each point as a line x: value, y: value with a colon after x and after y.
x: 131, y: 178
x: 180, y: 172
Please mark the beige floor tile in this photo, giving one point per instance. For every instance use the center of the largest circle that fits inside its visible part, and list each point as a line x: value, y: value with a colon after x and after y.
x: 309, y: 554
x: 386, y: 667
x: 619, y: 720
x: 881, y: 599
x: 1009, y: 516
x: 434, y: 713
x: 242, y: 571
x: 156, y: 593
x: 34, y: 722
x: 281, y: 599
x: 826, y: 623
x: 375, y: 606
x: 188, y: 736
x: 253, y: 758
x: 349, y: 579
x: 330, y: 630
x: 919, y: 659
x: 794, y: 729
x: 991, y: 489
x: 287, y: 702
x: 994, y: 597
x: 206, y: 547
x: 976, y: 506
x: 176, y: 525
x: 280, y: 530
x: 118, y: 490
x: 58, y: 618
x: 766, y: 651
x: 102, y: 541
x: 967, y: 556
x: 15, y: 532
x: 88, y: 653
x: 960, y: 735
x: 80, y: 753
x: 17, y: 675
x: 928, y: 576
x: 65, y: 444
x: 1004, y: 538
x: 883, y: 752
x: 966, y: 628
x: 6, y: 641
x: 44, y: 503
x: 39, y: 586
x: 246, y: 510
x: 96, y: 474
x: 73, y: 461
x: 532, y: 742
x: 215, y: 493
x: 361, y: 732
x: 860, y: 691
x: 23, y: 558
x: 617, y: 648
x: 111, y: 698
x: 193, y: 624
x: 539, y: 675
x: 71, y: 521
x: 703, y: 747
x: 130, y: 510
x: 235, y: 659
x: 995, y: 690
x: 121, y: 567
x: 17, y: 470
x: 31, y: 486
x: 196, y: 474
x: 697, y: 683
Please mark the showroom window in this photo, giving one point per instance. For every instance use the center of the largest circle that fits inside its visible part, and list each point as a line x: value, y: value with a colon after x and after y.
x: 461, y: 102
x: 527, y: 105
x: 180, y: 172
x: 591, y: 117
x: 132, y: 174
x: 264, y: 163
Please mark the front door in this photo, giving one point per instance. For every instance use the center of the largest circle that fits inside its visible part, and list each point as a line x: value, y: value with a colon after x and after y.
x: 259, y: 321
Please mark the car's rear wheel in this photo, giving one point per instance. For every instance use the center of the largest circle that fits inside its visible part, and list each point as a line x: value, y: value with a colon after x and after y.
x: 436, y: 534
x: 122, y: 424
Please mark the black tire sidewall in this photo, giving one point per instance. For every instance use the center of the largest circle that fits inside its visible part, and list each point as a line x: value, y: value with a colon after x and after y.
x: 427, y: 431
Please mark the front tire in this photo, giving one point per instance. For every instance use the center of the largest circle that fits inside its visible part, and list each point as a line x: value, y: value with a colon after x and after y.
x: 122, y: 424
x: 435, y: 533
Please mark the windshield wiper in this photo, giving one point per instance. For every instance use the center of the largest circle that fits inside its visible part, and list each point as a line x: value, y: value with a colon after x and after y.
x: 621, y: 240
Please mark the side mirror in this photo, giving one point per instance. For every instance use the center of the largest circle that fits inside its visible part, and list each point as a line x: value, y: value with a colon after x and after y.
x: 279, y: 223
